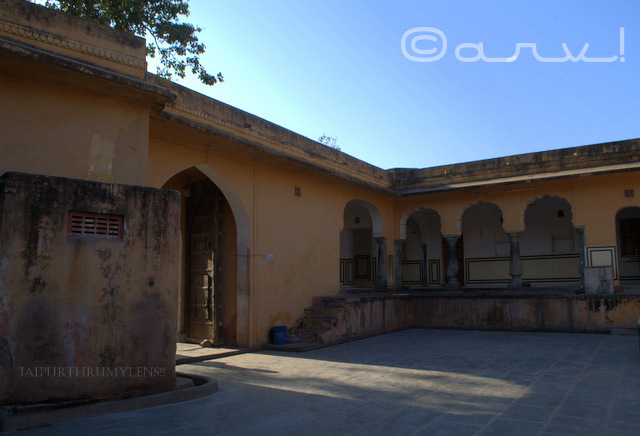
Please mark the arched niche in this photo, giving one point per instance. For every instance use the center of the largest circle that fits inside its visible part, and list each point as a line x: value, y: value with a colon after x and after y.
x: 548, y: 227
x: 628, y: 245
x: 362, y: 259
x: 484, y: 235
x: 422, y: 250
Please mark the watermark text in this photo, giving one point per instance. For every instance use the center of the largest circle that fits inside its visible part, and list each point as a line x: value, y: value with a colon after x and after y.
x: 90, y: 371
x: 429, y: 44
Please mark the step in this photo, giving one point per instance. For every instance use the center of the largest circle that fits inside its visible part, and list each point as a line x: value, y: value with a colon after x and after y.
x: 331, y: 301
x: 318, y: 323
x: 298, y: 346
x: 323, y: 312
x: 310, y: 335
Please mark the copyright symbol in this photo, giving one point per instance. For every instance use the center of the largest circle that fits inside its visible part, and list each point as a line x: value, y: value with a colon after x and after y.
x: 415, y: 49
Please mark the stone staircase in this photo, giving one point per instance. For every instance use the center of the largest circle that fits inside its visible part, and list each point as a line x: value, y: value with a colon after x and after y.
x: 341, y: 318
x: 320, y: 319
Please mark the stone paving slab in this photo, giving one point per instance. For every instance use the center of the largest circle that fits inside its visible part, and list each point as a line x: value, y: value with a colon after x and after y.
x: 22, y: 417
x: 413, y: 382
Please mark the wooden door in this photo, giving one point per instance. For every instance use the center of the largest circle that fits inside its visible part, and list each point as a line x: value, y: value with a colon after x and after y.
x: 203, y: 207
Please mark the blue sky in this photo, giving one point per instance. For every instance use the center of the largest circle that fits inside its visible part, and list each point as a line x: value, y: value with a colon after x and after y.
x: 337, y: 68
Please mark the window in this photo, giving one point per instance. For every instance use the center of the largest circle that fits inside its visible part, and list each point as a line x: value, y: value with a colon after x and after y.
x: 630, y: 237
x: 94, y: 224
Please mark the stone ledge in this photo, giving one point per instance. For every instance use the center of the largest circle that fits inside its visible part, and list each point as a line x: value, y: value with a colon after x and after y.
x: 43, y: 414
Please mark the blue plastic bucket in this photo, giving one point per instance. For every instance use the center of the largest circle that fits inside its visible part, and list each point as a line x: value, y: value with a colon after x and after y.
x: 279, y: 335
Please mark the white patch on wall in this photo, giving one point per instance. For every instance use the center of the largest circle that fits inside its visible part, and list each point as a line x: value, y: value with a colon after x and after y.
x: 603, y: 256
x: 101, y: 156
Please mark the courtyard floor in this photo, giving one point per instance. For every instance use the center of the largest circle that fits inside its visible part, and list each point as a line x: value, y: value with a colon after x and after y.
x: 424, y: 382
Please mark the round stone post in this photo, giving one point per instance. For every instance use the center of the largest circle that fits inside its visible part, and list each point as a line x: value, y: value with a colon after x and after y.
x: 425, y: 266
x: 452, y: 267
x: 515, y: 264
x: 381, y: 281
x: 580, y: 231
x: 398, y: 255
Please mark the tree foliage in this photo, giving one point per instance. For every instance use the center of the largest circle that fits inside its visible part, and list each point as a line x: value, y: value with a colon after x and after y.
x: 329, y: 141
x: 175, y: 43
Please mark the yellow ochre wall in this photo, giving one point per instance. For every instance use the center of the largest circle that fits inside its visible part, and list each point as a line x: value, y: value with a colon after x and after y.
x: 56, y: 128
x: 93, y: 114
x: 595, y: 200
x: 302, y: 233
x: 65, y: 111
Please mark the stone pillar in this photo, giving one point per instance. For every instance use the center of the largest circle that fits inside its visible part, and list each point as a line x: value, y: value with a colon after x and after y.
x: 515, y: 264
x: 452, y: 267
x: 382, y: 262
x: 398, y: 255
x: 425, y: 266
x: 580, y: 231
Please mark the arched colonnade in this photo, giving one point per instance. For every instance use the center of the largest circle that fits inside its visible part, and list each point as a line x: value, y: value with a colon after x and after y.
x: 477, y: 249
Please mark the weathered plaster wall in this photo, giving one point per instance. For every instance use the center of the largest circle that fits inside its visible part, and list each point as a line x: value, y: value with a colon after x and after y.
x: 529, y: 167
x: 302, y: 233
x: 72, y: 303
x: 259, y: 135
x: 89, y: 113
x: 362, y: 316
x: 229, y: 277
x: 73, y: 37
x: 560, y: 313
x: 594, y: 202
x: 513, y: 199
x: 58, y: 128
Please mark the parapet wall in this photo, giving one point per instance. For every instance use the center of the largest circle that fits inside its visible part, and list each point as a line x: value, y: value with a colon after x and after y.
x: 72, y: 37
x: 577, y: 313
x: 365, y: 316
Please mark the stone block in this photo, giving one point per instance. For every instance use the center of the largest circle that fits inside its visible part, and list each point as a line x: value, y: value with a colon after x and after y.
x: 598, y: 280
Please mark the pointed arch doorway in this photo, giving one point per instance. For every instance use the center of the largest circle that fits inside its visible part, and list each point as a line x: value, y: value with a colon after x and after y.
x: 212, y: 304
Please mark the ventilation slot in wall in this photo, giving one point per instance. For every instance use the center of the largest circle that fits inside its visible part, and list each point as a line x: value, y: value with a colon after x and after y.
x: 93, y: 224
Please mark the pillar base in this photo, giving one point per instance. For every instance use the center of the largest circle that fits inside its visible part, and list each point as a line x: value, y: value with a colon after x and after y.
x: 516, y: 282
x: 453, y: 283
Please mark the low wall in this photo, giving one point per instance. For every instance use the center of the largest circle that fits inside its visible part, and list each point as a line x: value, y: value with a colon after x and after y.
x: 369, y: 315
x: 595, y: 313
x: 88, y: 286
x: 364, y: 316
